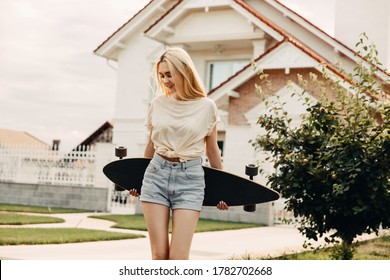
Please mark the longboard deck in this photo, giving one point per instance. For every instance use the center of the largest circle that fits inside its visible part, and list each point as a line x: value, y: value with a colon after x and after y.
x: 220, y: 185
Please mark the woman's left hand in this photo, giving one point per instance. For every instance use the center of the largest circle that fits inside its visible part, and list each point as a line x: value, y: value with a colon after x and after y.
x: 133, y: 192
x: 222, y: 205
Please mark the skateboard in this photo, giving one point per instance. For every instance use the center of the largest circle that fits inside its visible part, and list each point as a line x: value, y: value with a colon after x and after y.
x: 235, y: 190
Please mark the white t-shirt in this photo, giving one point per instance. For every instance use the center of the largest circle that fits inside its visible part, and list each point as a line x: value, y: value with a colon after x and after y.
x: 180, y: 127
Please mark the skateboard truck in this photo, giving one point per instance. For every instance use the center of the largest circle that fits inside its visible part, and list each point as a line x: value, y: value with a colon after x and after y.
x: 251, y: 170
x: 120, y: 152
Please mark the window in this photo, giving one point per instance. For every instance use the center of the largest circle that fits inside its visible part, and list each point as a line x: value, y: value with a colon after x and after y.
x: 219, y: 71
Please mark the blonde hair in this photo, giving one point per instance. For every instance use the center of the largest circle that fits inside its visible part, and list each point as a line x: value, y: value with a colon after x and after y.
x: 183, y: 71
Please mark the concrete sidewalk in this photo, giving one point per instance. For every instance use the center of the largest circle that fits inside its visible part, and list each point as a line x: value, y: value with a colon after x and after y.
x: 262, y: 241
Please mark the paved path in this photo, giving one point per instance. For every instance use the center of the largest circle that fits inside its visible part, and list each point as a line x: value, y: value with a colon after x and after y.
x: 262, y: 241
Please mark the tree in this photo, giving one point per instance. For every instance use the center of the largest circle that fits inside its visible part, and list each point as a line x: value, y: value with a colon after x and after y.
x: 334, y: 169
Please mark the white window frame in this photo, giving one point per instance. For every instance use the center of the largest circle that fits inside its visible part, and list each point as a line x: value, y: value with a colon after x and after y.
x: 211, y: 62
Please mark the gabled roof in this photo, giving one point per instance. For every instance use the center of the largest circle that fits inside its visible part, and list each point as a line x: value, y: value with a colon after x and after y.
x: 276, y: 31
x: 163, y: 15
x: 11, y: 137
x: 337, y: 44
x: 164, y: 28
x: 246, y: 73
x: 96, y: 134
x: 123, y: 26
x: 115, y: 42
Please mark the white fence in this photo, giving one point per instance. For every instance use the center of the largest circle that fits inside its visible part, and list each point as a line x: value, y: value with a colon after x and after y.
x: 41, y: 165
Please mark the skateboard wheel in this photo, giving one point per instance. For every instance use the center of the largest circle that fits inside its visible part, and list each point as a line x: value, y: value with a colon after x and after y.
x: 120, y: 152
x: 251, y: 170
x: 250, y: 208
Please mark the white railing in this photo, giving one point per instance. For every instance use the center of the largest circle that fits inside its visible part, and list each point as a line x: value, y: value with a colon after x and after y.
x: 39, y: 164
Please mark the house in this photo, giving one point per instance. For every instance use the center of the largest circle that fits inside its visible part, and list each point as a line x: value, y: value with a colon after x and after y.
x: 103, y: 134
x: 13, y: 137
x: 223, y: 37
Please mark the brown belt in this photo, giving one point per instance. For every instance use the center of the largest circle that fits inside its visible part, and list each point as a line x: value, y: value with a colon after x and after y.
x: 175, y: 159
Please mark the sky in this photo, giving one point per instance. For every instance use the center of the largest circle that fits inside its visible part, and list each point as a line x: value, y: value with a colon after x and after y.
x: 51, y: 84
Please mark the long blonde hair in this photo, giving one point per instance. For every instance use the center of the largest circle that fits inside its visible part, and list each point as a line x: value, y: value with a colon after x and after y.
x: 180, y: 63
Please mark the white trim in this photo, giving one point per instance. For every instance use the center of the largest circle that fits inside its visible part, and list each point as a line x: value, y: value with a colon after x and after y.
x: 287, y: 56
x: 213, y: 37
x: 165, y: 21
x: 270, y: 31
x: 211, y: 61
x: 207, y: 3
x: 233, y: 94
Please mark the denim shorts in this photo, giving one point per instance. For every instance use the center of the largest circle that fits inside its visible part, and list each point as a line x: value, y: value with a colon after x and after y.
x: 177, y: 185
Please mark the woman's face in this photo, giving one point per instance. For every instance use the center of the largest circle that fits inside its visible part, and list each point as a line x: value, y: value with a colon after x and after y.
x: 167, y: 77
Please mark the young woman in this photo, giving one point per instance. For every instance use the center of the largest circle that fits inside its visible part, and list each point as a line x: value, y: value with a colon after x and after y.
x: 182, y: 124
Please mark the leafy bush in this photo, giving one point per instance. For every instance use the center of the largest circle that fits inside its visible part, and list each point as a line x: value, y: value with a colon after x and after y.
x: 333, y: 169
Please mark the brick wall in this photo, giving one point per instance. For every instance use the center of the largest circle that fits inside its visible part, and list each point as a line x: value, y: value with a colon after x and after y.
x: 250, y: 99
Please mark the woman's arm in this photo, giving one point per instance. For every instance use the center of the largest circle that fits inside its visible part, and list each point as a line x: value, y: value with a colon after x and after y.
x: 212, y: 150
x: 214, y: 156
x: 149, y: 149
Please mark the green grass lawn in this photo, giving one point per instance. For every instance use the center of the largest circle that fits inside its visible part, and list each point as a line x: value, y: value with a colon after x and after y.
x: 137, y: 222
x: 35, y: 236
x: 20, y: 219
x: 38, y: 209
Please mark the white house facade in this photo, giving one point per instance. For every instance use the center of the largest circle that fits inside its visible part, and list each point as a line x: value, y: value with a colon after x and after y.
x: 223, y: 37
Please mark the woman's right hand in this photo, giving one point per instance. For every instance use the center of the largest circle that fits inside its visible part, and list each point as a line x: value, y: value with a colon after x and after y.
x: 222, y: 205
x: 133, y: 192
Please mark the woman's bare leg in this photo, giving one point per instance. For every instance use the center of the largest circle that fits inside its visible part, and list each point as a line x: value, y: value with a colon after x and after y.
x: 157, y: 220
x: 183, y: 227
